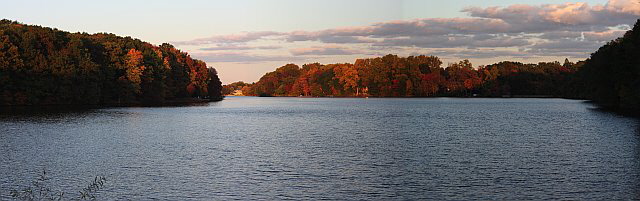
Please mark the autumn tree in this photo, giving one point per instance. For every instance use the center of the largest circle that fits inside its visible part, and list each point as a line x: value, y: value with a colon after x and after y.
x: 418, y: 76
x: 40, y: 65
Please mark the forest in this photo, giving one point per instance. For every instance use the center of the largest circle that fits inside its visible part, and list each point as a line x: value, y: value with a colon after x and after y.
x: 46, y: 66
x: 416, y: 76
x: 610, y: 77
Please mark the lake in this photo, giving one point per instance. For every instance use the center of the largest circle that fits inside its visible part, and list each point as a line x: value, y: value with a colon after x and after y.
x: 330, y: 148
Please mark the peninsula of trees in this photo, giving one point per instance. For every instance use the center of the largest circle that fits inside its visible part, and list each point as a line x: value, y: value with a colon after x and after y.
x: 611, y: 78
x: 415, y: 76
x: 45, y: 66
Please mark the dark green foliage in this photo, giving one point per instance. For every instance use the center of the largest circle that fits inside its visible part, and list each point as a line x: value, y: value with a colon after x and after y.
x: 612, y: 74
x: 517, y: 79
x: 215, y: 86
x: 44, y: 66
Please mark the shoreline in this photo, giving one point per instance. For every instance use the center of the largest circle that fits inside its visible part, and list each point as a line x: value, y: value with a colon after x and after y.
x: 166, y: 103
x: 505, y: 97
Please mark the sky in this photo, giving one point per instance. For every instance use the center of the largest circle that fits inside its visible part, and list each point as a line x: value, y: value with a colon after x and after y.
x: 244, y: 39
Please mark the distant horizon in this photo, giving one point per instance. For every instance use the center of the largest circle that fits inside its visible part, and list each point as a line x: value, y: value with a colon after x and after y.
x: 245, y: 39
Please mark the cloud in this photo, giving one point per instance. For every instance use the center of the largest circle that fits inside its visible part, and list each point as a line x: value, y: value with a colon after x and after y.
x: 565, y: 47
x: 403, y: 28
x: 567, y: 16
x: 561, y: 34
x: 603, y: 36
x: 324, y: 50
x: 567, y: 44
x: 345, y: 39
x: 474, y: 53
x: 573, y: 29
x: 559, y: 18
x: 328, y: 36
x: 624, y: 6
x: 240, y: 57
x: 450, y: 41
x: 244, y: 47
x: 231, y: 38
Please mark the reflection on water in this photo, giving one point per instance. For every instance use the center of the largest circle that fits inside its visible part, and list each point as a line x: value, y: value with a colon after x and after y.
x: 347, y: 149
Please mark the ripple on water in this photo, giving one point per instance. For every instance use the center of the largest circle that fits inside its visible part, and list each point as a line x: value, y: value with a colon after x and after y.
x: 345, y: 149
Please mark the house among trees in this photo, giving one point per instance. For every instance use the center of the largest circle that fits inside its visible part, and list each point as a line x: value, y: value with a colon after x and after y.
x: 237, y: 92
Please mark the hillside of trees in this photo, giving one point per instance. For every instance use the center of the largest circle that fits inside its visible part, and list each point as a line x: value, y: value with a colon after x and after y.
x: 45, y: 66
x: 612, y: 74
x: 419, y: 76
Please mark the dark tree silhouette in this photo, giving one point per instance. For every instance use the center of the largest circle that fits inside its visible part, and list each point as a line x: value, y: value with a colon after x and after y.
x: 612, y: 75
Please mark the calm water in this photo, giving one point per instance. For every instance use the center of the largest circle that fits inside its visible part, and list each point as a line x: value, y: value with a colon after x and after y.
x: 346, y: 149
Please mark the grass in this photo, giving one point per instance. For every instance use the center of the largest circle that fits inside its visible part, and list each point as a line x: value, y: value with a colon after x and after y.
x: 41, y: 190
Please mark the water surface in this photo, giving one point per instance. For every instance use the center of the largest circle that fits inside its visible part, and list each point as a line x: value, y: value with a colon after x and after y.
x: 322, y: 148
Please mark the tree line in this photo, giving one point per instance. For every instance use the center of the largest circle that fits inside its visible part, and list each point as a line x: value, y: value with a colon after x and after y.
x: 45, y: 66
x: 415, y: 76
